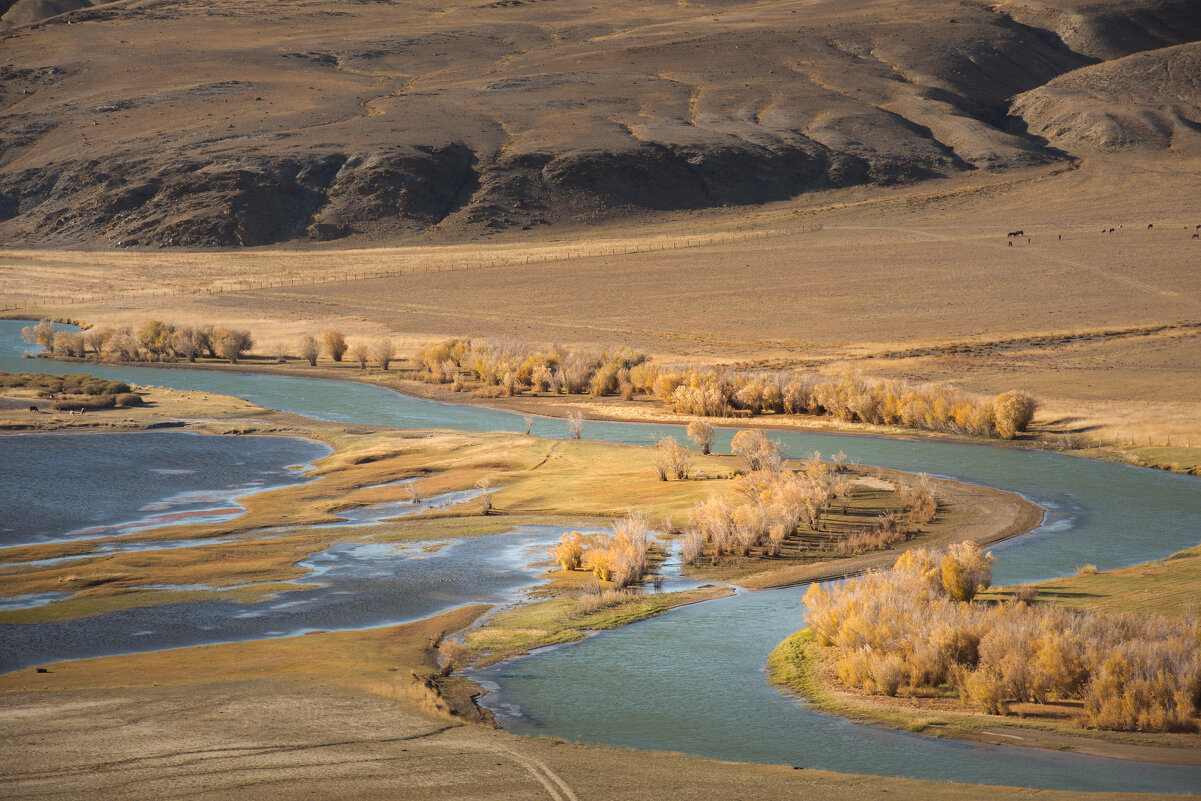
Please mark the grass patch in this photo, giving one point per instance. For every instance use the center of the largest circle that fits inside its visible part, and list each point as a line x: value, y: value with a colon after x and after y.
x: 558, y: 620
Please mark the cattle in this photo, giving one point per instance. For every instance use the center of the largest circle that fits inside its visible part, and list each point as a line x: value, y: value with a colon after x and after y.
x: 34, y: 408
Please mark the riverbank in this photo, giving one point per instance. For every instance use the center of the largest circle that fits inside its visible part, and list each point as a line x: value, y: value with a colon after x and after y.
x: 1056, y: 430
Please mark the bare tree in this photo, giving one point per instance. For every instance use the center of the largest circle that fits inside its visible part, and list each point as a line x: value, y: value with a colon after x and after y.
x: 384, y: 352
x: 361, y: 354
x: 310, y: 349
x: 485, y: 484
x: 701, y: 432
x: 529, y: 423
x: 281, y: 353
x: 40, y: 334
x: 335, y: 343
x: 575, y: 423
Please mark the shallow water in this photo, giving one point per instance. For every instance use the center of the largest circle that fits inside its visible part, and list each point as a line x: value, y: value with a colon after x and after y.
x: 350, y: 585
x: 693, y: 680
x: 64, y: 487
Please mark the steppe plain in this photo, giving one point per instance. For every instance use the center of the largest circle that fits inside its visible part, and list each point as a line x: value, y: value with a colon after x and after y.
x: 767, y: 185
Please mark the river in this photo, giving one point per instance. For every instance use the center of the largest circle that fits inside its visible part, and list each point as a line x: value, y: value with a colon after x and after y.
x: 693, y: 680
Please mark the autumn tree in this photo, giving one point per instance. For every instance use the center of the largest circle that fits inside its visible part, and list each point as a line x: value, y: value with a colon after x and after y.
x: 334, y: 342
x: 232, y: 344
x: 701, y: 432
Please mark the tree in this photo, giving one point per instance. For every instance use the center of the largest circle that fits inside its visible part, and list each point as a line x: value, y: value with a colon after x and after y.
x: 361, y: 354
x: 184, y: 343
x: 670, y: 459
x: 40, y: 334
x: 232, y: 344
x: 575, y: 423
x: 310, y: 349
x: 156, y: 338
x: 384, y: 352
x: 335, y: 343
x: 701, y: 432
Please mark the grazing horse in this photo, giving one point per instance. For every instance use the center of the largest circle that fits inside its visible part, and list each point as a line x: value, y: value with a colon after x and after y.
x: 1013, y: 234
x: 33, y: 408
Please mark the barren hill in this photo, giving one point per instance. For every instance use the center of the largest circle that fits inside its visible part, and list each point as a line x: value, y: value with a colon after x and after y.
x: 221, y: 123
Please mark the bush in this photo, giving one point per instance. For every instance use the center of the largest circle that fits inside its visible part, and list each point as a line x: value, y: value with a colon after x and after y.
x: 1013, y: 412
x: 965, y: 571
x: 671, y: 460
x: 129, y: 399
x: 88, y: 402
x: 334, y: 342
x: 1129, y: 673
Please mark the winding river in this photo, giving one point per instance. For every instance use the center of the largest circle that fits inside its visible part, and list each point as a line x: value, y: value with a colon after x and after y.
x: 693, y: 680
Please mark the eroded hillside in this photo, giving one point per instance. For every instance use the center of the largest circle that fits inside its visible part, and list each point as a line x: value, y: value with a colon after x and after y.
x: 208, y: 123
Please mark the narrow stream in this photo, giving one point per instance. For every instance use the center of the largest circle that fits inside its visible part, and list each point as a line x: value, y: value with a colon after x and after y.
x: 693, y: 680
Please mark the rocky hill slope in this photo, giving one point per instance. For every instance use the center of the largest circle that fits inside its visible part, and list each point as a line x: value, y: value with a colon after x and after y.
x: 210, y: 123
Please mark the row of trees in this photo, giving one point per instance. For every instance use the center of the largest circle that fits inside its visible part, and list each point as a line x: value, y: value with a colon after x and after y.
x: 915, y: 628
x: 717, y: 392
x: 518, y: 367
x: 159, y: 341
x: 620, y: 557
x: 333, y: 343
x: 153, y: 341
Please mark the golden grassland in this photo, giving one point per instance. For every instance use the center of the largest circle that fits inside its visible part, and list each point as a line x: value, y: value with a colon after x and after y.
x: 1170, y: 586
x: 526, y: 626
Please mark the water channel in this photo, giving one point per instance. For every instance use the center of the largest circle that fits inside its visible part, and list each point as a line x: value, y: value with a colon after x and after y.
x: 693, y: 680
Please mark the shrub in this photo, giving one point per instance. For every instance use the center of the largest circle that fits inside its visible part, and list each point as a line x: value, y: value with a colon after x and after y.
x: 570, y: 551
x: 310, y: 349
x: 361, y: 354
x: 384, y: 352
x: 334, y: 342
x: 671, y: 459
x: 89, y: 402
x: 1013, y: 412
x: 920, y: 502
x: 760, y: 452
x: 965, y: 571
x: 129, y: 399
x: 575, y: 423
x: 1129, y: 673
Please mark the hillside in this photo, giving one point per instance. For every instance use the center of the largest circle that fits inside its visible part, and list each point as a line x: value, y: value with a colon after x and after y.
x: 206, y: 123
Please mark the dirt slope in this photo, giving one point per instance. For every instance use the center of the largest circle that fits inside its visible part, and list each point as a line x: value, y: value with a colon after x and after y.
x: 204, y: 123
